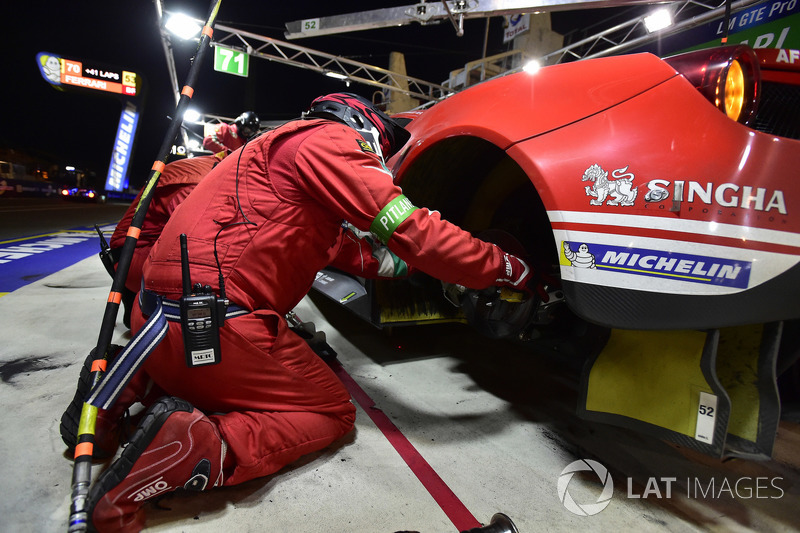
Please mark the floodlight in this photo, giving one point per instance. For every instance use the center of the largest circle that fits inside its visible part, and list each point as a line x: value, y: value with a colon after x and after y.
x: 532, y: 67
x: 336, y: 75
x: 183, y: 26
x: 192, y: 115
x: 658, y: 20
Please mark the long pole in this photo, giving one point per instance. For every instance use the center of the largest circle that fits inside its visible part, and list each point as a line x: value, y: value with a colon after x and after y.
x: 82, y: 467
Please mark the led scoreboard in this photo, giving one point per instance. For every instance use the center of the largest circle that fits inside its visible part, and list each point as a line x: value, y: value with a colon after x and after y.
x: 62, y: 71
x: 92, y: 77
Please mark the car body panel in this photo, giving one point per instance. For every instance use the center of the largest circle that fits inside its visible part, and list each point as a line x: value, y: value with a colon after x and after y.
x: 519, y: 106
x: 669, y: 197
x: 674, y: 231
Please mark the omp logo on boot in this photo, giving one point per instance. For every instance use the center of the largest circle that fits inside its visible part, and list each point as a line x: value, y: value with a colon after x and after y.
x: 156, y: 487
x: 585, y: 509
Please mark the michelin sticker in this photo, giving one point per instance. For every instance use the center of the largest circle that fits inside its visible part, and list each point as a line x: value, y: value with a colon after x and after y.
x: 657, y: 263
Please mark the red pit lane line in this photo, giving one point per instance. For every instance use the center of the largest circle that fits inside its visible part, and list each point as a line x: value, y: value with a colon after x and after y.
x: 455, y: 510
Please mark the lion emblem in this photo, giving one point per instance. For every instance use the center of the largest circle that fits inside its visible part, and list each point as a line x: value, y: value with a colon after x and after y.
x: 618, y: 191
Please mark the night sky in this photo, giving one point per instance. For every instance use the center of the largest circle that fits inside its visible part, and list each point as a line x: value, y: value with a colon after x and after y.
x: 78, y: 127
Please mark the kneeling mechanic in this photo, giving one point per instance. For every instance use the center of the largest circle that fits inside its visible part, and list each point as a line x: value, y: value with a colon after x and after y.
x: 262, y: 223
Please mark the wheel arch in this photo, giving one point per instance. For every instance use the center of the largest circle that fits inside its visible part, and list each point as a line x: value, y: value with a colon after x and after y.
x: 477, y: 185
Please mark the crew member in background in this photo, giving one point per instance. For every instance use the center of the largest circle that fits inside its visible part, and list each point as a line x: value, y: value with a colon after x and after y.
x: 228, y: 137
x: 264, y: 222
x: 177, y: 180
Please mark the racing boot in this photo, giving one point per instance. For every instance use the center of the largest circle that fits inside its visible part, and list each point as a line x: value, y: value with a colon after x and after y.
x: 108, y: 423
x: 175, y: 446
x: 114, y: 424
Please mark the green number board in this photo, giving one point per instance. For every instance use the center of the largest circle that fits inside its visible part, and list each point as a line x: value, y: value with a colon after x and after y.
x: 231, y: 61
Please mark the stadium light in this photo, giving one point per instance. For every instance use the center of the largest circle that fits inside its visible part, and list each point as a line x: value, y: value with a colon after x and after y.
x: 658, y: 20
x: 335, y: 75
x: 532, y: 67
x: 183, y: 26
x: 192, y: 115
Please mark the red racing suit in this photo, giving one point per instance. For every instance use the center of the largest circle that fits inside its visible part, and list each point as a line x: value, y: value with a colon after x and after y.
x: 225, y: 138
x: 273, y: 228
x: 174, y: 185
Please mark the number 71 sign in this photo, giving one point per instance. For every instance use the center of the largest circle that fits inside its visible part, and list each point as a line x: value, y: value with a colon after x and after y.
x: 231, y: 61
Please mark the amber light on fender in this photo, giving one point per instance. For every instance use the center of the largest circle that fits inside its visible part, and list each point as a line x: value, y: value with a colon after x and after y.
x: 728, y: 77
x: 734, y: 91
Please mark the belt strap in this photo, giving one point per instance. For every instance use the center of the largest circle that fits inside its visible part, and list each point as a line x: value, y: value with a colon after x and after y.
x: 130, y: 359
x: 172, y: 308
x: 160, y: 311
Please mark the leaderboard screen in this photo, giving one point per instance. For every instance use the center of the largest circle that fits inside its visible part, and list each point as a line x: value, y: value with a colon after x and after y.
x: 62, y: 71
x: 93, y: 77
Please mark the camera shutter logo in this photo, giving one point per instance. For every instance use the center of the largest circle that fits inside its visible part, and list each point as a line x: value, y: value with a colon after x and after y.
x: 586, y: 509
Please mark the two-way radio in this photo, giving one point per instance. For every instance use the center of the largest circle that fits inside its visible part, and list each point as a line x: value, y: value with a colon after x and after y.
x: 202, y: 315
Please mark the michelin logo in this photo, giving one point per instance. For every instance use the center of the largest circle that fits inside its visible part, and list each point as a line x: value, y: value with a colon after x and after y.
x: 657, y: 263
x: 580, y: 259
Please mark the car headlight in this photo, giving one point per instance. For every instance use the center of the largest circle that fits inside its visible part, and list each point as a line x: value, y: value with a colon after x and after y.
x: 729, y: 77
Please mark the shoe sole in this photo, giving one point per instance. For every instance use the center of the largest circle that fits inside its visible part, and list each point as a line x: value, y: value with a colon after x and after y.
x: 150, y: 425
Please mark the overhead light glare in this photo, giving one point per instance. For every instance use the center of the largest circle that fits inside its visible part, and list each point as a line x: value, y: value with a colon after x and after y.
x: 183, y: 26
x: 336, y: 75
x: 191, y: 115
x: 532, y: 67
x: 658, y: 20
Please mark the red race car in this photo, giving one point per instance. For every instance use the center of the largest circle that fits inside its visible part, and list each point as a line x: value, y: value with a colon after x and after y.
x: 661, y: 192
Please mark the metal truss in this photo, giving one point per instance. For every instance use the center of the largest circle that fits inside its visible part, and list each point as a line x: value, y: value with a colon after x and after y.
x: 611, y: 41
x: 331, y: 65
x: 632, y: 34
x: 426, y: 12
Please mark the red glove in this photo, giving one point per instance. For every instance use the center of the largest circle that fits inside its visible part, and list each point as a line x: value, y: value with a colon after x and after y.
x: 517, y: 274
x: 514, y: 272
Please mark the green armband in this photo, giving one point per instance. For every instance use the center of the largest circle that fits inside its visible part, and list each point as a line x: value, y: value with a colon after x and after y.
x: 390, y: 217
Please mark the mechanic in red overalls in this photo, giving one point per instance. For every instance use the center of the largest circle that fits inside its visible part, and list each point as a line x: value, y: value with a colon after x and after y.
x: 174, y: 185
x: 228, y: 137
x: 268, y: 218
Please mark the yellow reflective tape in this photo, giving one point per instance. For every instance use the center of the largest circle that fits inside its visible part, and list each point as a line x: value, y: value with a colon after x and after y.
x: 150, y: 184
x: 88, y: 419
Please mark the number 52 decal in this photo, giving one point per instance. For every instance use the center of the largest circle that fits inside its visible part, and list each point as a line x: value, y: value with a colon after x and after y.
x: 706, y: 418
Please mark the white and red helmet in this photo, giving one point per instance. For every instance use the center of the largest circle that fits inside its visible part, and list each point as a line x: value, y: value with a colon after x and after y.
x: 385, y: 135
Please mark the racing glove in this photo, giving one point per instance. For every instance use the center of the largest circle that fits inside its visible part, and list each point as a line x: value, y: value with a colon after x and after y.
x: 517, y: 274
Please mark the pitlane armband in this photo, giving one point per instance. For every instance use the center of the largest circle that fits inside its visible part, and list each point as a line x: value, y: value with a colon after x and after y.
x: 391, y: 216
